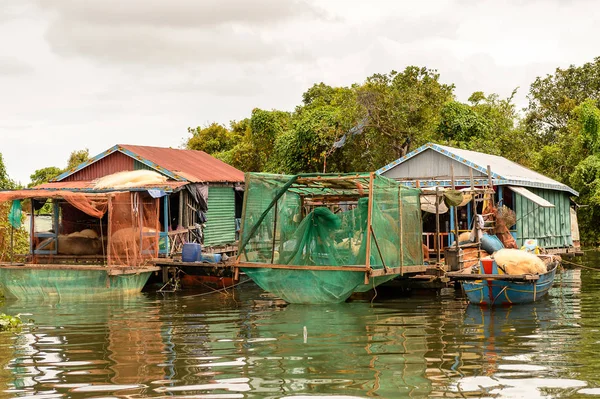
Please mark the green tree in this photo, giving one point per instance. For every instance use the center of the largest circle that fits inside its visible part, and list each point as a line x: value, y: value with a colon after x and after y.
x: 403, y: 110
x: 44, y: 175
x: 77, y: 157
x: 212, y: 139
x: 553, y: 98
x: 5, y: 182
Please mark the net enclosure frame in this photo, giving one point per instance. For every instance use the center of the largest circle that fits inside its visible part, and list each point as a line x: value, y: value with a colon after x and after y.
x: 337, y: 192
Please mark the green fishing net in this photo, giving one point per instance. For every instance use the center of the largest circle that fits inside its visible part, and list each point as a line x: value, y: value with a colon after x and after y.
x: 305, y: 221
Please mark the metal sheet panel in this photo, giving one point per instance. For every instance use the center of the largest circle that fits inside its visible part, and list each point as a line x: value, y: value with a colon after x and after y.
x: 220, y: 218
x: 195, y: 166
x: 551, y: 227
x: 113, y: 163
x: 532, y: 197
x: 428, y: 165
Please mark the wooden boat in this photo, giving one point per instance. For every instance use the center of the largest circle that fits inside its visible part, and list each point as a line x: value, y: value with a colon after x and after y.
x: 31, y: 281
x: 494, y: 289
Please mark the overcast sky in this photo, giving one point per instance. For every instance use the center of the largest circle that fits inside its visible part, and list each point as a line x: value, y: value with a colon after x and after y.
x: 90, y: 74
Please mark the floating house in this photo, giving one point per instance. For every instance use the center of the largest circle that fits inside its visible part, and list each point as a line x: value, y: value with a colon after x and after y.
x: 113, y: 215
x: 200, y: 189
x: 543, y: 206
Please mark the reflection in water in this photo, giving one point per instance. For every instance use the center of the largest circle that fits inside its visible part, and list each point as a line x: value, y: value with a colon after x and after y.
x: 254, y: 346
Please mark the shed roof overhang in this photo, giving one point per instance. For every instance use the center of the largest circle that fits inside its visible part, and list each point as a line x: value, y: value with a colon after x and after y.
x: 536, y: 199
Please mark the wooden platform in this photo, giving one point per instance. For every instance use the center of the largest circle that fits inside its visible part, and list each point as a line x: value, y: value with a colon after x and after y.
x: 110, y: 270
x: 165, y: 262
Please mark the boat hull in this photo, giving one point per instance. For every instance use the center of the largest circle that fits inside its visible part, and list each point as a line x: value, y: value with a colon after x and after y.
x: 34, y: 282
x: 503, y: 293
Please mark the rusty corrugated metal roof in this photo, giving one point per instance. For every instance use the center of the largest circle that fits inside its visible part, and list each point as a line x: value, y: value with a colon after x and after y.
x: 195, y: 166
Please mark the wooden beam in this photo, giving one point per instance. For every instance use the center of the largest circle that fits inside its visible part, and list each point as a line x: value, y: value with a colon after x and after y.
x: 398, y: 270
x: 353, y: 268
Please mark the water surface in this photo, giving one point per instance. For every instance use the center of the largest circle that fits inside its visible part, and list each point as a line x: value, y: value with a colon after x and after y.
x: 248, y: 344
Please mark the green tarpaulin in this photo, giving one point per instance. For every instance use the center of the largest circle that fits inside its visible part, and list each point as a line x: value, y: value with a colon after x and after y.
x: 14, y: 216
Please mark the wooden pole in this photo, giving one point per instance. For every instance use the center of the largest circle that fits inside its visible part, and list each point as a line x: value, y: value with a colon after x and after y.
x: 491, y: 183
x: 437, y: 225
x: 454, y: 210
x: 180, y: 215
x: 274, y: 232
x: 12, y: 246
x: 109, y: 237
x: 401, y: 229
x: 368, y: 232
x: 32, y: 228
x: 242, y: 225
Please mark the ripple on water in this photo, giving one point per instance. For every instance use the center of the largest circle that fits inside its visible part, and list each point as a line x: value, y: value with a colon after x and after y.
x: 419, y: 345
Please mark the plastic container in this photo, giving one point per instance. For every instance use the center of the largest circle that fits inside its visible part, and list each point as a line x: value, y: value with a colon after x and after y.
x: 191, y: 252
x: 211, y: 258
x: 491, y: 244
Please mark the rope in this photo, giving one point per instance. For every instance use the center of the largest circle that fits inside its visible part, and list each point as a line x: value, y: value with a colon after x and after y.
x: 215, y: 291
x: 580, y: 265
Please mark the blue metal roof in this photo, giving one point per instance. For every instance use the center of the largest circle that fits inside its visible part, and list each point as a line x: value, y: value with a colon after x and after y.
x: 504, y: 172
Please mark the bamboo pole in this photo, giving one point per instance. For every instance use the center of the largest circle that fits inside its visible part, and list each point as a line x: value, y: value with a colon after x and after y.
x: 243, y: 222
x: 491, y: 183
x: 352, y: 268
x: 454, y: 210
x: 401, y: 229
x: 31, y: 228
x: 180, y: 214
x: 378, y: 249
x: 12, y: 244
x: 368, y: 232
x: 437, y: 225
x: 109, y: 237
x: 274, y: 232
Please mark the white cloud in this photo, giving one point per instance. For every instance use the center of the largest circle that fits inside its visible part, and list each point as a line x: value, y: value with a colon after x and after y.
x: 93, y: 73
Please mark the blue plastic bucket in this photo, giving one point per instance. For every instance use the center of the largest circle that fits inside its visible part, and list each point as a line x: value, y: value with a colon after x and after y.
x: 191, y: 252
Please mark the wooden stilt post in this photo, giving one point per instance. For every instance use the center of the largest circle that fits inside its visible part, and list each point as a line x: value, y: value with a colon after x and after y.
x: 274, y: 232
x: 401, y: 230
x: 12, y: 244
x: 454, y: 210
x: 180, y: 215
x: 368, y: 232
x: 32, y: 229
x: 437, y: 226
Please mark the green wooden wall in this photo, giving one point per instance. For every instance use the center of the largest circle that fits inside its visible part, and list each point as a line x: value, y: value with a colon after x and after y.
x: 220, y: 218
x: 551, y: 227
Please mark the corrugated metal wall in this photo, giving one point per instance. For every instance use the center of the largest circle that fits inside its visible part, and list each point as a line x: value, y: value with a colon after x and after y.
x: 113, y: 163
x: 220, y: 218
x: 551, y: 227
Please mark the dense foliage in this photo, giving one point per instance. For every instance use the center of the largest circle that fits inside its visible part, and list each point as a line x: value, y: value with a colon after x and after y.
x: 44, y: 175
x: 388, y: 115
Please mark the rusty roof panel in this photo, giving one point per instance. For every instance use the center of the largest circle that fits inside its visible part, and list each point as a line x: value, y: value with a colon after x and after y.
x: 194, y: 166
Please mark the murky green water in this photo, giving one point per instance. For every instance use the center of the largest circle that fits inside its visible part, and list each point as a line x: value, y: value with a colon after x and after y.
x: 252, y: 346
